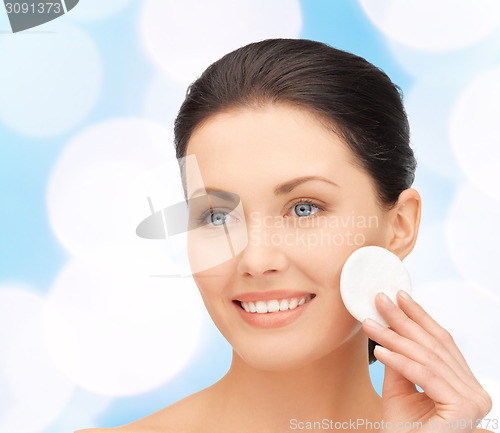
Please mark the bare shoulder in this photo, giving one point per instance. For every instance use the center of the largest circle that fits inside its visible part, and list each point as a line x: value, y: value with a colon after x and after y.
x: 184, y: 416
x: 187, y: 415
x: 482, y: 430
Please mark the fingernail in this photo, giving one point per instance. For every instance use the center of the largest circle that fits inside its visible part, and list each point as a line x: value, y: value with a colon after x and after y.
x: 374, y: 324
x: 386, y: 299
x: 382, y: 349
x: 405, y: 295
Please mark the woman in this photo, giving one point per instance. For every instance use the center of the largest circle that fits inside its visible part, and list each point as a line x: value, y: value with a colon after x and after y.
x: 313, y: 143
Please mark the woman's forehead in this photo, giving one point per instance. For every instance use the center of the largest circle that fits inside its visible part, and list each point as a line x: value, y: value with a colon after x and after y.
x: 269, y: 137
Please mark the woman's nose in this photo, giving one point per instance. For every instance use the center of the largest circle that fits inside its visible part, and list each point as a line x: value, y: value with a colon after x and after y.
x: 263, y: 253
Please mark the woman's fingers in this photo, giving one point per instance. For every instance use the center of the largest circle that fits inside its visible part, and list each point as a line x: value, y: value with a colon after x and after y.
x: 420, y: 340
x: 445, y: 346
x: 396, y: 385
x: 418, y: 315
x: 414, y: 351
x: 410, y: 320
x: 448, y: 402
x: 437, y: 388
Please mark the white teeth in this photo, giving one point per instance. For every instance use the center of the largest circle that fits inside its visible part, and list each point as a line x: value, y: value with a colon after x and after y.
x: 274, y: 305
x: 261, y: 307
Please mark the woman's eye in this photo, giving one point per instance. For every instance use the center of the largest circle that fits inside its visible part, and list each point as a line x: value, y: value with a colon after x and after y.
x: 214, y: 219
x: 305, y: 208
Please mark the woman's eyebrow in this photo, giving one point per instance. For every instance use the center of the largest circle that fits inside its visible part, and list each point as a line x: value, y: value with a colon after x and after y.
x: 288, y: 186
x: 282, y: 188
x: 219, y: 192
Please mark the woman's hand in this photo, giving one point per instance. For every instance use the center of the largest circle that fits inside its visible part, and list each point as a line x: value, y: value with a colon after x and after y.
x: 417, y: 350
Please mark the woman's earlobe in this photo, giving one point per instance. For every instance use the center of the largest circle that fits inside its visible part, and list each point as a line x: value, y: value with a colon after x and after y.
x: 405, y: 223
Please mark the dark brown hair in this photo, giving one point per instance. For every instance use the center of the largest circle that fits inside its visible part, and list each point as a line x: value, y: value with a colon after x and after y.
x: 356, y: 99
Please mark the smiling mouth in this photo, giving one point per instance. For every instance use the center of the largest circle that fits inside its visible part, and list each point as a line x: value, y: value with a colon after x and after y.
x: 274, y: 305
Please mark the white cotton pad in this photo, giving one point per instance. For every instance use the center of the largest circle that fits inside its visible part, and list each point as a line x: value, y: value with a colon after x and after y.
x: 368, y: 271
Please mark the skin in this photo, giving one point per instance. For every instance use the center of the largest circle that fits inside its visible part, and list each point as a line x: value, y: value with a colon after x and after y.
x: 317, y: 366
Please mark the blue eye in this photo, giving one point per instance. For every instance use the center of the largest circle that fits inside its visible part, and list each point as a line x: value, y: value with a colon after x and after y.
x: 303, y: 208
x: 217, y: 218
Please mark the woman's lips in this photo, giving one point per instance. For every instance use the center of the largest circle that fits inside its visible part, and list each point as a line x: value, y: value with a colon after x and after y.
x: 271, y: 294
x: 274, y: 317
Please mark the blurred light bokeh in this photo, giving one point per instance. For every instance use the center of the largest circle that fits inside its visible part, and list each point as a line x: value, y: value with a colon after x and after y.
x: 87, y: 104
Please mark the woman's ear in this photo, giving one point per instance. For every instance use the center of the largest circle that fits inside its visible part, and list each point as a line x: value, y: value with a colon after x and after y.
x: 405, y: 220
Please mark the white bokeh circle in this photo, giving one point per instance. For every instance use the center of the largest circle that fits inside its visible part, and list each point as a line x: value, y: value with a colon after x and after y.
x: 434, y: 25
x: 34, y: 391
x: 471, y: 317
x: 117, y: 331
x: 447, y: 68
x: 50, y: 81
x: 473, y: 237
x: 183, y: 38
x: 474, y: 132
x: 89, y: 10
x: 99, y: 186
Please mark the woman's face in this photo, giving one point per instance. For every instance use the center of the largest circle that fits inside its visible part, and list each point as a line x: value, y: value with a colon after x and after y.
x: 289, y: 238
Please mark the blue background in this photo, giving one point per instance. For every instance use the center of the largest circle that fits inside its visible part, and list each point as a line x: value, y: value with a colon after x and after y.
x: 451, y: 251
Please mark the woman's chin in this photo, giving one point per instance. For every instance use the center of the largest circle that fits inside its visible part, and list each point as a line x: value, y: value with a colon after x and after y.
x: 278, y: 359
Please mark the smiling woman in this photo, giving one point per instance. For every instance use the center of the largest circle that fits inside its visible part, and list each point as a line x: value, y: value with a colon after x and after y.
x: 303, y: 135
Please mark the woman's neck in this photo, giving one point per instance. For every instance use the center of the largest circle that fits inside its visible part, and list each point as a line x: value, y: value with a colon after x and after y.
x: 336, y: 387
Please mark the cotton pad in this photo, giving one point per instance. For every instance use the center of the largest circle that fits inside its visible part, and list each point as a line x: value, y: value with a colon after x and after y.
x: 368, y: 271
